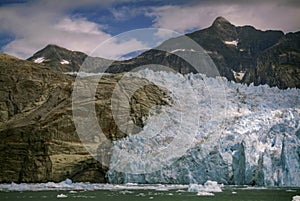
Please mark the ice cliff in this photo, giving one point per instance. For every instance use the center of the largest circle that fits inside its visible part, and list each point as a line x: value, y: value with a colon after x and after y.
x: 215, y: 130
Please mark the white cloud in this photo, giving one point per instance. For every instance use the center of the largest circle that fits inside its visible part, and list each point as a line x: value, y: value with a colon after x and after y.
x: 36, y: 25
x: 269, y: 15
x: 114, y: 49
x: 165, y: 34
x: 80, y: 25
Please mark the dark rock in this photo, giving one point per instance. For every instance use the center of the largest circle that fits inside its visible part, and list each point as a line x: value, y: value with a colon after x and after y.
x: 39, y: 142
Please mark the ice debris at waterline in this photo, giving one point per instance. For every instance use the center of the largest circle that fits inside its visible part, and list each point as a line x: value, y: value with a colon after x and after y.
x: 68, y: 185
x: 61, y: 196
x: 251, y: 135
x: 207, y: 189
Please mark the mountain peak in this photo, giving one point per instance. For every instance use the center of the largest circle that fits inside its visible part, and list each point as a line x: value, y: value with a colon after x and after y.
x: 224, y: 29
x: 53, y: 47
x: 221, y: 21
x: 59, y: 58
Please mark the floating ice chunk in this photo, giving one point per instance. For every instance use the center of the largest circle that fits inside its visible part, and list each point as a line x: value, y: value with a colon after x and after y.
x: 234, y: 42
x: 208, y: 187
x: 61, y: 196
x: 64, y: 62
x: 141, y: 194
x: 213, y: 186
x: 202, y: 193
x: 296, y: 198
x: 39, y: 60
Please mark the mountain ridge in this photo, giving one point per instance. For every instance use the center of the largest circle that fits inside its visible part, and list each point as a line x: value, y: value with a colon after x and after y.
x: 237, y: 52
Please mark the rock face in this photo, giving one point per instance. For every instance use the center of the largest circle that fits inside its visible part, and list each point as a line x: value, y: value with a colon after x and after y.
x: 39, y: 142
x: 278, y: 65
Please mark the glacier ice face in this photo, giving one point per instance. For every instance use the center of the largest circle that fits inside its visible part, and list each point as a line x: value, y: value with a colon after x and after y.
x: 249, y: 136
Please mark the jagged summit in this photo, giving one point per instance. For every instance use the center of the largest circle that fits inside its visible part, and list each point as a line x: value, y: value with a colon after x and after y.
x: 53, y: 47
x: 221, y: 20
x: 59, y: 58
x: 224, y: 29
x: 241, y: 53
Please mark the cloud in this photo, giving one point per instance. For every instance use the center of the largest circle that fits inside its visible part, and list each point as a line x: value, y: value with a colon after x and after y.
x: 80, y: 25
x: 34, y: 25
x: 114, y: 49
x: 283, y: 15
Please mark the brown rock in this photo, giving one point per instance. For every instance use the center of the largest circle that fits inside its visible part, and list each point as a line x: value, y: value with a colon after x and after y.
x: 39, y: 142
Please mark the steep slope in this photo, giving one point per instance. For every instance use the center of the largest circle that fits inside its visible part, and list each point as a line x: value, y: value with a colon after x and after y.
x: 279, y: 65
x: 39, y: 142
x: 234, y: 48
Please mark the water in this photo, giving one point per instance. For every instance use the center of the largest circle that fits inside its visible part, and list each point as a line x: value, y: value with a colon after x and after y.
x: 158, y: 194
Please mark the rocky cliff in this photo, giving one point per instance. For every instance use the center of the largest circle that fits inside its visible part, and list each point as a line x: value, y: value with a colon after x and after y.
x: 39, y: 142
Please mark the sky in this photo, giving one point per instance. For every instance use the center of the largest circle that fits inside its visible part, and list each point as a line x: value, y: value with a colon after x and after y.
x: 27, y: 26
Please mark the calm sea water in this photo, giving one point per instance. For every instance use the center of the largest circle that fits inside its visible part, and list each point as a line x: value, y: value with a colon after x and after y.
x: 228, y: 194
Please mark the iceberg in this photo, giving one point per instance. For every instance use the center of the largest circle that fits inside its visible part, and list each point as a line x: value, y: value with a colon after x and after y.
x: 208, y: 186
x: 61, y: 196
x: 296, y: 198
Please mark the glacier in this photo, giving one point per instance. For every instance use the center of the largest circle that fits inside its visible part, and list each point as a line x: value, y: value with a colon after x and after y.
x: 215, y: 130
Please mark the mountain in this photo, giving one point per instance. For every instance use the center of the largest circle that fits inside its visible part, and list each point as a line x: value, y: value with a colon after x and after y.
x: 205, y: 128
x: 240, y: 53
x: 39, y: 142
x: 279, y: 65
x: 59, y: 58
x: 250, y: 137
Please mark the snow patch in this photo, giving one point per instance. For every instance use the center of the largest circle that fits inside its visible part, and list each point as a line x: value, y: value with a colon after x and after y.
x: 84, y: 74
x: 64, y: 61
x: 238, y: 75
x: 39, y: 60
x: 234, y: 42
x: 182, y: 50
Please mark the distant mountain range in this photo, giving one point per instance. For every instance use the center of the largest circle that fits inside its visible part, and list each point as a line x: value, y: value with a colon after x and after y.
x: 240, y: 53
